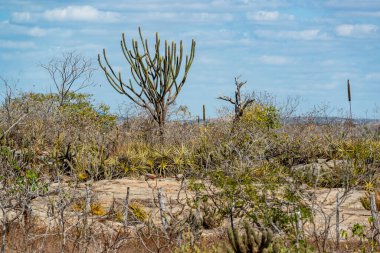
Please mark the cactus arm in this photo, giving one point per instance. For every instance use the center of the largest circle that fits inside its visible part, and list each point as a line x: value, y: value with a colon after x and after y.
x: 189, y: 61
x: 250, y: 239
x: 267, y: 238
x: 117, y: 83
x: 239, y: 241
x: 138, y: 69
x: 232, y: 240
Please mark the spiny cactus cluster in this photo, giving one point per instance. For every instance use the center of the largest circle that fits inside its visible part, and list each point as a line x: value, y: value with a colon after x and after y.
x: 251, y: 241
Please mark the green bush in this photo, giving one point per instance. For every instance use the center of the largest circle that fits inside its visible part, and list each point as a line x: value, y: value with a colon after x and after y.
x: 261, y: 116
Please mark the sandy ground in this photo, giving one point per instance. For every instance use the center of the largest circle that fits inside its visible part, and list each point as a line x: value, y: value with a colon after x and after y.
x: 145, y: 193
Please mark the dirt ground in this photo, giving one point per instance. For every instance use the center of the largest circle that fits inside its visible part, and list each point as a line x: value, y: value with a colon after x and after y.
x: 145, y: 193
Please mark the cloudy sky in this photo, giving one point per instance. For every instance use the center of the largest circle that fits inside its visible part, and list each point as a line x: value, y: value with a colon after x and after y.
x: 305, y: 48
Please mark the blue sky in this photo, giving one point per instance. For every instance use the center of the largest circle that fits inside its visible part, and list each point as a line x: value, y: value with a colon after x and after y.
x: 302, y: 48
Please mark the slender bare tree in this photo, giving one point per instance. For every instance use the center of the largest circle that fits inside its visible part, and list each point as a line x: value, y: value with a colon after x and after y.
x: 70, y: 73
x: 7, y: 95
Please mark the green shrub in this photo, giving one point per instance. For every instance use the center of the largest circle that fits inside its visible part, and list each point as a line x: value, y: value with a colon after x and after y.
x: 261, y: 116
x: 138, y: 211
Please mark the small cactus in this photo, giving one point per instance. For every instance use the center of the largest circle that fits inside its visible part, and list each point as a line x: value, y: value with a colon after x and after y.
x: 251, y: 241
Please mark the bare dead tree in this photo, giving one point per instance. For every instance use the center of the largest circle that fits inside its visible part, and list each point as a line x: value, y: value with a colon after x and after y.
x: 7, y: 95
x: 240, y: 103
x: 70, y: 73
x: 12, y: 117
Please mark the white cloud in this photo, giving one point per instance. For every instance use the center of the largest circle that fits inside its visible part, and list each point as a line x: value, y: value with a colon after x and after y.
x: 268, y: 16
x: 89, y: 13
x: 226, y: 42
x: 263, y: 15
x: 7, y: 28
x: 347, y: 30
x: 274, y: 60
x: 264, y: 3
x: 56, y: 32
x: 22, y: 16
x: 310, y: 34
x: 69, y: 13
x: 155, y: 6
x: 221, y: 3
x: 218, y: 38
x: 37, y: 32
x: 80, y: 13
x: 16, y: 44
x: 191, y: 5
x: 198, y: 17
x: 205, y: 16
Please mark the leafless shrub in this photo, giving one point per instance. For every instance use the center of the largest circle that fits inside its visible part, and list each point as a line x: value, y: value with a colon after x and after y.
x: 69, y: 73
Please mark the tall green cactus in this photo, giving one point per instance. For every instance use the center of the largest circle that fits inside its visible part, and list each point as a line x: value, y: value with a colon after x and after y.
x: 154, y: 85
x: 251, y: 241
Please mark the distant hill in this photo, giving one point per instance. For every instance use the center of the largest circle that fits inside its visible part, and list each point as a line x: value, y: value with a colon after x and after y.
x: 325, y: 120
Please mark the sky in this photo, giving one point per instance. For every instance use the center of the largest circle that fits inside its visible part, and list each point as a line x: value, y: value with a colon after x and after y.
x: 289, y: 48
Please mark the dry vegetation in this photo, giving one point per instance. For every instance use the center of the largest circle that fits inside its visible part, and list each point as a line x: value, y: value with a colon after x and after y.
x: 258, y: 170
x: 259, y: 180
